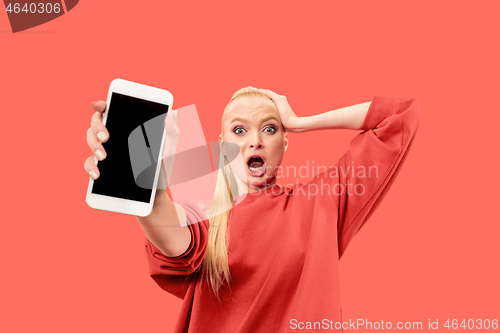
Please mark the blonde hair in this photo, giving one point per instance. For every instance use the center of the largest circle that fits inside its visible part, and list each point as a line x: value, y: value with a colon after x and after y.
x: 215, y: 265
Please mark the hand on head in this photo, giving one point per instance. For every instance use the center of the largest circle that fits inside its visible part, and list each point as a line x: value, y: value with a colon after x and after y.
x: 288, y: 118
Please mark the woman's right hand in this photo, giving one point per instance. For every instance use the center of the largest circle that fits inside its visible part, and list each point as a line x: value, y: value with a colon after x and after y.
x: 96, y: 135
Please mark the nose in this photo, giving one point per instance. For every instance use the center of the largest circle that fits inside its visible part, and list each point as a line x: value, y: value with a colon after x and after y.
x: 256, y: 142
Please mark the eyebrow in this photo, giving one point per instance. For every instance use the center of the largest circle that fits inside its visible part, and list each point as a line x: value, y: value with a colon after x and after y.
x: 244, y: 120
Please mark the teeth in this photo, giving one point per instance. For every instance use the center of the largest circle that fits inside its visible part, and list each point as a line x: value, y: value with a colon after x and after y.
x: 256, y: 169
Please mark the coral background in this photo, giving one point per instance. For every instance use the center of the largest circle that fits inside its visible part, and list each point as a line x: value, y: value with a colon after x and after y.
x: 429, y: 252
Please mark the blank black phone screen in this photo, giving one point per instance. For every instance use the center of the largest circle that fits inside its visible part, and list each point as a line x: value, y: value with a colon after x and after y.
x: 135, y: 129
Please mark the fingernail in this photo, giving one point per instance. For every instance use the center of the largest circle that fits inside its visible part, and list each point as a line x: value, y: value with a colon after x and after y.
x: 102, y: 136
x: 93, y: 174
x: 92, y: 104
x: 100, y: 155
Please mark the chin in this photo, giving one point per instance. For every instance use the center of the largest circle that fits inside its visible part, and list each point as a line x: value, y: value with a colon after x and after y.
x: 255, y: 183
x: 258, y: 182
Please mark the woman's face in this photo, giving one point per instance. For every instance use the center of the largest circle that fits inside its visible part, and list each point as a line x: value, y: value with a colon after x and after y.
x: 255, y: 126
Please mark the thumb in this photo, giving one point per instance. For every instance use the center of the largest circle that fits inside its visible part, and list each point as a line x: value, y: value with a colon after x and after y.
x: 170, y: 123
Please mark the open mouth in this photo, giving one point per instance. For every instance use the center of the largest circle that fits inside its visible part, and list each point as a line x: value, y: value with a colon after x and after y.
x: 256, y: 166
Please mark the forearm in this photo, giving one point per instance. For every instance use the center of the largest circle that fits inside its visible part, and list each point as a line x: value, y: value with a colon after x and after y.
x: 350, y: 117
x: 166, y: 226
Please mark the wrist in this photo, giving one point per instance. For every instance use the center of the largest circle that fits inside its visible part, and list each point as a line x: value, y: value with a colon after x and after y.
x: 299, y: 124
x: 160, y: 197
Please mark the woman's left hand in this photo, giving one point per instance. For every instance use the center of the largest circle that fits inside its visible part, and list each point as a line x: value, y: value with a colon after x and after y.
x: 289, y: 120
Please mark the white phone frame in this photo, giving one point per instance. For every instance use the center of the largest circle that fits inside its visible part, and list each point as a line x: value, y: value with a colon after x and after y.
x: 119, y: 205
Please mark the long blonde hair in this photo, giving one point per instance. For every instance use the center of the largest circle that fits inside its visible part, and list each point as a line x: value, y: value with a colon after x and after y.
x: 215, y: 265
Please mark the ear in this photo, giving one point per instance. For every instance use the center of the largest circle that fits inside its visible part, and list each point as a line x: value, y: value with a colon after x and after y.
x: 221, y: 145
x: 286, y: 141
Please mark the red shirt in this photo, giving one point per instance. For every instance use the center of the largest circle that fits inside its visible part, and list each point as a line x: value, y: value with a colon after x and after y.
x: 286, y: 242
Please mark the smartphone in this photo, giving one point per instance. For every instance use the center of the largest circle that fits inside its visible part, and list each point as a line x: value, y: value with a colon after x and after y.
x: 135, y: 119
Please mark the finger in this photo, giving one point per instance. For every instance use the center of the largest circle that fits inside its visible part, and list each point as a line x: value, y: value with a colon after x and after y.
x: 274, y: 96
x: 170, y: 143
x: 91, y: 167
x: 99, y: 106
x: 100, y: 131
x: 264, y: 91
x: 95, y: 145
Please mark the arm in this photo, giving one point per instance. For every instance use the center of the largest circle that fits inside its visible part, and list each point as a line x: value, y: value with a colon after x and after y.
x: 170, y: 227
x: 174, y: 274
x: 177, y: 233
x: 376, y: 156
x: 350, y: 117
x: 166, y: 226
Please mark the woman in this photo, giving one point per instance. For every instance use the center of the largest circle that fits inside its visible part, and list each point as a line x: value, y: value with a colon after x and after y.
x: 270, y: 263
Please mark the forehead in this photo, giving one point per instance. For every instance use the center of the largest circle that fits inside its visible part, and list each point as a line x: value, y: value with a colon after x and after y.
x: 251, y: 109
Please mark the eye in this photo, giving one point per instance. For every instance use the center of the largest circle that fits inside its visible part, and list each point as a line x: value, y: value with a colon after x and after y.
x: 237, y: 130
x: 273, y: 130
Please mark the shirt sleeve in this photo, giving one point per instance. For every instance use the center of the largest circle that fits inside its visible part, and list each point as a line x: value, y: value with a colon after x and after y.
x: 364, y: 174
x: 174, y: 274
